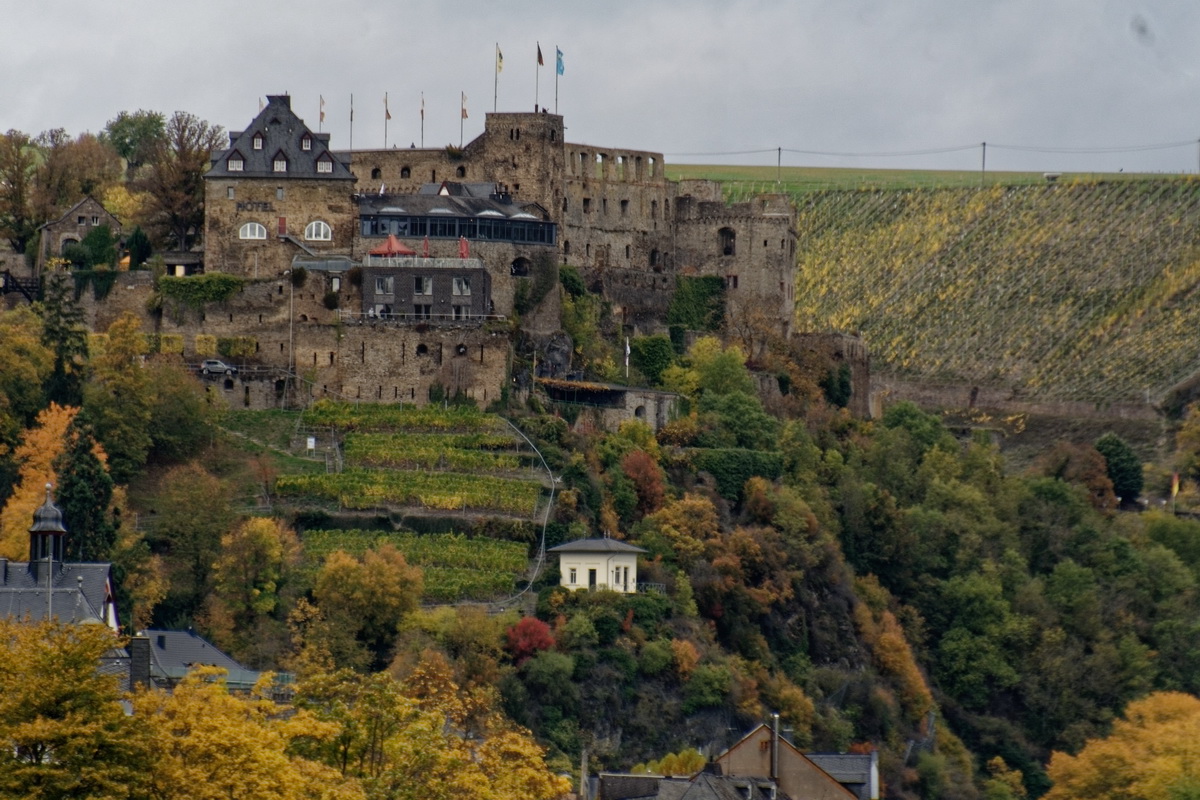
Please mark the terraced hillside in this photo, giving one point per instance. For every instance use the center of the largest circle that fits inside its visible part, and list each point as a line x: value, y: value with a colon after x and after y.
x: 425, y: 459
x: 1070, y: 291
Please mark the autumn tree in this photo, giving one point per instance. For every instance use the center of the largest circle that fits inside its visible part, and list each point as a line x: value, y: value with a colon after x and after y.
x: 18, y: 164
x: 117, y: 399
x: 173, y: 177
x: 528, y: 637
x: 70, y: 170
x: 254, y: 564
x: 213, y: 745
x: 362, y: 602
x: 36, y: 455
x: 24, y: 364
x: 64, y: 732
x: 1148, y: 755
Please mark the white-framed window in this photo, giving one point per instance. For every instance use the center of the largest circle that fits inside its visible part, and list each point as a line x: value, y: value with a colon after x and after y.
x: 461, y: 287
x: 280, y: 163
x: 573, y: 577
x: 252, y: 230
x: 235, y: 164
x: 383, y: 284
x: 258, y: 141
x: 325, y: 164
x: 306, y: 142
x: 422, y: 284
x: 318, y: 231
x: 460, y: 312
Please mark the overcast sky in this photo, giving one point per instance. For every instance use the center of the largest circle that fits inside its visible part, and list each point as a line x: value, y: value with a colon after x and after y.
x: 719, y: 77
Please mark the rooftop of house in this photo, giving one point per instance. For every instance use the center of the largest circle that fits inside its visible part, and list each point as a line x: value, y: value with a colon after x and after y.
x: 80, y: 591
x: 278, y: 134
x: 433, y: 204
x: 173, y: 653
x: 598, y: 545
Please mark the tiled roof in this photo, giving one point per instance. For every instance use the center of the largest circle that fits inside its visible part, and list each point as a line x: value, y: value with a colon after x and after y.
x: 599, y: 545
x: 81, y: 591
x: 283, y: 133
x: 844, y: 767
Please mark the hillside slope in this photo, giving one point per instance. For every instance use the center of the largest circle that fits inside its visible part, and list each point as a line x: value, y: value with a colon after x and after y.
x: 1074, y: 291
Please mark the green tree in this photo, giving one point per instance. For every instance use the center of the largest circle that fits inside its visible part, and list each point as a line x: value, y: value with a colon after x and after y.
x: 139, y: 248
x: 117, y: 399
x: 651, y: 355
x: 84, y: 494
x: 101, y: 246
x: 135, y: 135
x: 182, y: 416
x: 18, y: 165
x: 64, y: 332
x: 64, y: 731
x: 1124, y: 468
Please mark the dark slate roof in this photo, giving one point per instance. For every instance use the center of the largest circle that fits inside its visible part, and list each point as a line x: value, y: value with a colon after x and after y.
x: 617, y: 786
x: 459, y: 189
x: 598, y: 545
x: 703, y: 786
x: 433, y: 205
x: 173, y: 653
x: 844, y: 767
x: 282, y: 131
x: 81, y: 591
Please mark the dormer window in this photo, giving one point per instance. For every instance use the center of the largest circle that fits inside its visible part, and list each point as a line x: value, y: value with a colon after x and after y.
x: 235, y: 163
x: 280, y: 163
x: 258, y: 141
x: 325, y: 163
x: 306, y: 142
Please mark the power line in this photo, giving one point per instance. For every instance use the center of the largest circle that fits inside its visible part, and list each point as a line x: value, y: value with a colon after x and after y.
x: 950, y: 149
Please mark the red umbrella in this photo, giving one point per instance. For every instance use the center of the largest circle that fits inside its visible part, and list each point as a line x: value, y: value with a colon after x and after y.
x: 393, y: 247
x: 464, y: 249
x: 425, y: 248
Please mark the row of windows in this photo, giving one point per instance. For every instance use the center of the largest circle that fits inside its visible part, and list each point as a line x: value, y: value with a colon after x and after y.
x: 423, y: 285
x: 235, y: 163
x: 259, y: 140
x: 314, y: 232
x: 496, y: 230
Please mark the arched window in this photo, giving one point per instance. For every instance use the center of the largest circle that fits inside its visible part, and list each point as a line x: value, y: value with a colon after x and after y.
x: 461, y: 172
x: 376, y: 173
x: 405, y: 172
x: 318, y: 232
x: 519, y: 267
x: 727, y: 241
x: 252, y: 230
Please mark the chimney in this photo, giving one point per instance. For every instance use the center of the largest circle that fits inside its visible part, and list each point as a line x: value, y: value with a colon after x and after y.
x: 3, y: 571
x: 139, y: 662
x: 775, y: 747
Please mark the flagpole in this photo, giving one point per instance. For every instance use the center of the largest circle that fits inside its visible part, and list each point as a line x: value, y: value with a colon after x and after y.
x: 352, y: 122
x: 557, y: 72
x: 422, y: 120
x: 496, y: 79
x: 537, y: 81
x: 386, y: 114
x: 461, y: 116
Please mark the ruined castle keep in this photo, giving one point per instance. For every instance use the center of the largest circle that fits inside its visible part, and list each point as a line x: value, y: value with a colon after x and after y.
x: 411, y: 257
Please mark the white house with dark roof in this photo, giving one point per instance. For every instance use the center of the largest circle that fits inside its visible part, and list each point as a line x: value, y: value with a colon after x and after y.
x: 601, y: 563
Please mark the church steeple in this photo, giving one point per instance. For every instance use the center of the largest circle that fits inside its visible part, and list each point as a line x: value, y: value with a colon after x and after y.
x: 48, y: 536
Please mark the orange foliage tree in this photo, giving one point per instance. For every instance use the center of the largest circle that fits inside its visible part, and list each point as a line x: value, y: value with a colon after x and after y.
x: 39, y: 448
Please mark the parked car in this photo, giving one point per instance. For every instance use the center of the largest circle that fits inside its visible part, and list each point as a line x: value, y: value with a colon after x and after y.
x: 215, y: 366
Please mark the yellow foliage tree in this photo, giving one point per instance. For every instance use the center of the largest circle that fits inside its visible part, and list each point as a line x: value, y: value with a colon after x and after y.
x: 40, y: 446
x: 212, y: 745
x: 1149, y: 755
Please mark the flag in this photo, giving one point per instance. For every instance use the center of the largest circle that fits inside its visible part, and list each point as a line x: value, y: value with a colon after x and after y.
x: 422, y: 109
x: 558, y: 65
x: 540, y: 62
x: 322, y: 107
x: 386, y: 113
x: 499, y: 59
x: 1174, y: 485
x: 260, y: 105
x: 464, y: 105
x: 351, y: 109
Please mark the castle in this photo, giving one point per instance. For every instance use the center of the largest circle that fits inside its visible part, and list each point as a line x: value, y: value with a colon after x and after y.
x: 411, y: 257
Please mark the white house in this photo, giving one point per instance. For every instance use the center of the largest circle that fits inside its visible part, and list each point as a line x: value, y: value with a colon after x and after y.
x: 598, y: 564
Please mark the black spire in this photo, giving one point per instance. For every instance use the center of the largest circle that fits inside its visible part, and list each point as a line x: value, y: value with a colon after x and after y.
x: 47, y: 537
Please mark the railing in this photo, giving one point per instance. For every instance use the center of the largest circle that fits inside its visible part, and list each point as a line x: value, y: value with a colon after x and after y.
x: 412, y: 319
x: 423, y: 263
x: 661, y: 588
